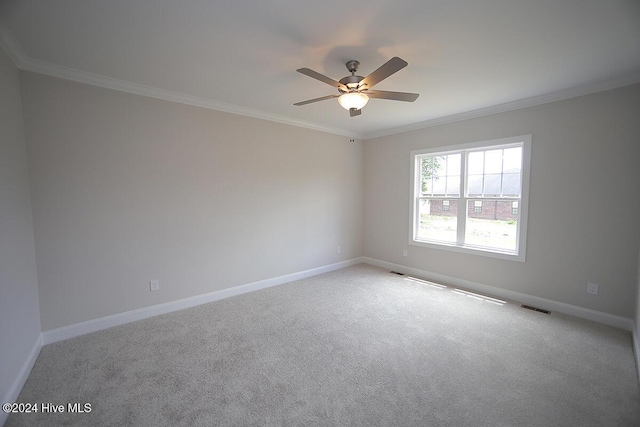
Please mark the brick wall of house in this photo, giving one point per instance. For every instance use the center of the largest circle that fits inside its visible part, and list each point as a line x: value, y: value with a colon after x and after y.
x: 437, y: 208
x: 497, y: 210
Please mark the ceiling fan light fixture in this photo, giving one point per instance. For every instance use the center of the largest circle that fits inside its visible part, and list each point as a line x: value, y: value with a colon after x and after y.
x: 353, y: 91
x: 351, y: 100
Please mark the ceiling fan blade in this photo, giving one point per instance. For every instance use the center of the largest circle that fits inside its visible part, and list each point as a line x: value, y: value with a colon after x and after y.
x: 393, y: 65
x: 316, y: 99
x: 322, y: 78
x: 395, y: 96
x: 353, y: 112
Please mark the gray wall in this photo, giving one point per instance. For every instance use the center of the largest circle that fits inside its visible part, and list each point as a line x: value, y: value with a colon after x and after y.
x: 584, y: 215
x: 127, y: 189
x: 19, y: 311
x: 637, y: 313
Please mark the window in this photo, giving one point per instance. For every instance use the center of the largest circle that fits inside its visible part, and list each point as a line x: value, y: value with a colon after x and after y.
x: 488, y: 181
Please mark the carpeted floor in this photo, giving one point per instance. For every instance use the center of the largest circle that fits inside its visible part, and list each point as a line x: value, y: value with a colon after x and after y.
x: 355, y: 347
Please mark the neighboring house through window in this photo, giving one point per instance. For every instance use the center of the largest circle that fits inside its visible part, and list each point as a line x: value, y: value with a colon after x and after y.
x: 489, y: 180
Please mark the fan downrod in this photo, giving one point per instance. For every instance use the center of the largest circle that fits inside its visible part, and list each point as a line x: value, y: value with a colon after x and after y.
x: 351, y: 82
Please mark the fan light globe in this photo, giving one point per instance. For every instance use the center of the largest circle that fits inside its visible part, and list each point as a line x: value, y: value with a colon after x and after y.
x: 353, y: 100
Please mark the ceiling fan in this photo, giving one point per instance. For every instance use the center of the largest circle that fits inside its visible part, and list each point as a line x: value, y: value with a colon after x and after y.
x: 354, y: 91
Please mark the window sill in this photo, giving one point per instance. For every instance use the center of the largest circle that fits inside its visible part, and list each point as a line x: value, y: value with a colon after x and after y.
x: 472, y: 250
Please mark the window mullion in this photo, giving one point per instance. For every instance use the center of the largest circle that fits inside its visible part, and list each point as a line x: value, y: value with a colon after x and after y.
x: 462, y: 200
x: 518, y: 218
x: 417, y: 214
x: 417, y: 195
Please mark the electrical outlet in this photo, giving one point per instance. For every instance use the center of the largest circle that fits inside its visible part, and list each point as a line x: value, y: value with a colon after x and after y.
x: 592, y: 288
x: 154, y: 285
x: 339, y: 249
x: 405, y: 252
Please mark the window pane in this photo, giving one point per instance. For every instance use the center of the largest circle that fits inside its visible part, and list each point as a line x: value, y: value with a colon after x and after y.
x: 474, y: 185
x: 436, y: 223
x: 492, y: 184
x: 476, y: 162
x: 430, y: 167
x: 496, y: 226
x: 495, y: 173
x: 493, y: 161
x: 511, y: 184
x: 513, y: 159
x: 453, y: 185
x: 453, y: 164
x: 439, y: 185
x: 440, y: 175
x: 426, y: 187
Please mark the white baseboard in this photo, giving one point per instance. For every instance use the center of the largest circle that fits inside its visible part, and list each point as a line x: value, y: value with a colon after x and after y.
x: 21, y: 377
x: 94, y: 325
x: 82, y: 328
x: 547, y: 304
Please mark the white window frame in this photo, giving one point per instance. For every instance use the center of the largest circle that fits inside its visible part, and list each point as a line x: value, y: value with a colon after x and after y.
x: 523, y: 206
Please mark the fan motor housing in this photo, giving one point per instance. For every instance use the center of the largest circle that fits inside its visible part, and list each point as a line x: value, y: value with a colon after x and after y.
x: 352, y: 82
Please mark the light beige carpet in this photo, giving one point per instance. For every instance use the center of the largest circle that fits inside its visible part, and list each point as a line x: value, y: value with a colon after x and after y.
x: 355, y: 347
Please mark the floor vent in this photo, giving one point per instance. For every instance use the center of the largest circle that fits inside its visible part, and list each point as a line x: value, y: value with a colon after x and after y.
x: 528, y: 307
x: 395, y: 272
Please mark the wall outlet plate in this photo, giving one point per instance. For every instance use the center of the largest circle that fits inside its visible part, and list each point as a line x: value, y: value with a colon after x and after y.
x: 154, y: 285
x: 592, y: 288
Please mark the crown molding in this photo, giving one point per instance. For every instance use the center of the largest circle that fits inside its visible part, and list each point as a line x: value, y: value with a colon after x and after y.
x: 24, y: 62
x: 54, y: 70
x: 515, y: 105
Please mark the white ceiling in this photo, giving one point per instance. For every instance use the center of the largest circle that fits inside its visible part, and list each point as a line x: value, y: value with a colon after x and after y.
x: 466, y: 57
